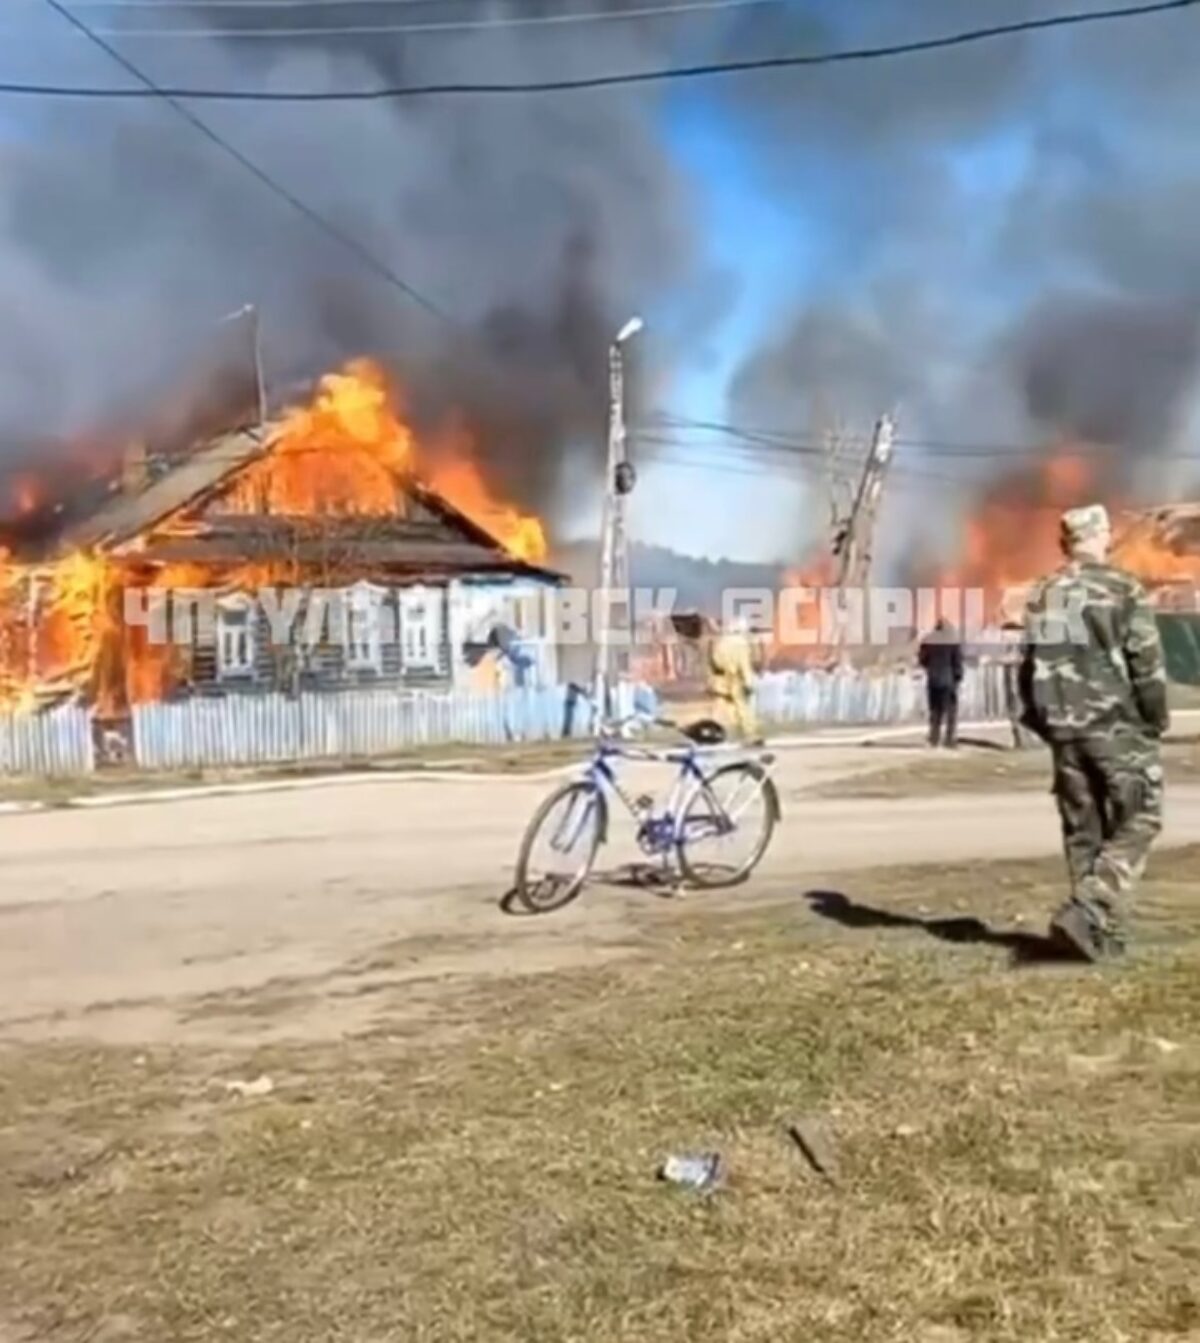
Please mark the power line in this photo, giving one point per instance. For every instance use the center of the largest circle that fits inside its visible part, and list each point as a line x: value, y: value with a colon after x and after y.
x: 660, y: 75
x: 330, y: 230
x: 750, y: 465
x: 442, y: 26
x: 781, y: 440
x: 166, y: 5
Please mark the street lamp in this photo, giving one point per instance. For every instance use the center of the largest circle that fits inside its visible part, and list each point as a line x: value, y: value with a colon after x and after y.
x: 249, y: 310
x: 619, y: 482
x: 631, y: 328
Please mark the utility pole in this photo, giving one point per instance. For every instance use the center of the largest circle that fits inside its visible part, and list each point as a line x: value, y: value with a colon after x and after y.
x: 839, y: 486
x: 855, y: 545
x: 260, y: 387
x: 614, y: 539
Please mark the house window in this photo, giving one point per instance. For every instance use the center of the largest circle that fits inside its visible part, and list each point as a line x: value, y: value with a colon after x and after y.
x: 235, y: 638
x: 420, y: 629
x: 364, y: 628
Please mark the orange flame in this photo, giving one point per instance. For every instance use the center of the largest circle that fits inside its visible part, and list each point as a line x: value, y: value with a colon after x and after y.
x: 459, y: 481
x: 348, y: 453
x: 1150, y: 551
x: 798, y: 622
x: 1012, y: 536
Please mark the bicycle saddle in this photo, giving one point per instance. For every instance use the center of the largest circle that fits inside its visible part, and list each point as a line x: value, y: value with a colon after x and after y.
x: 705, y: 732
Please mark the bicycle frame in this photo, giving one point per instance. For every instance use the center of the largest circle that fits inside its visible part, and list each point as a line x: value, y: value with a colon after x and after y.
x: 666, y: 832
x: 663, y: 829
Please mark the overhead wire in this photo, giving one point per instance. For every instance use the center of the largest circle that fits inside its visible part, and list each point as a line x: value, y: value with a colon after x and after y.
x: 345, y: 240
x: 182, y: 5
x: 440, y: 26
x: 774, y: 439
x: 740, y: 461
x: 612, y: 80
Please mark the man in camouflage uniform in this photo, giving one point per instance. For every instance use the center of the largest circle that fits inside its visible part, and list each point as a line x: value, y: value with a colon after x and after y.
x: 1093, y: 687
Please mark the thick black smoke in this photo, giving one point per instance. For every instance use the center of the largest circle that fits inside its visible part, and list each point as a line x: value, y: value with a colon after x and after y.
x: 1006, y: 254
x: 948, y: 199
x: 1114, y: 372
x: 534, y: 227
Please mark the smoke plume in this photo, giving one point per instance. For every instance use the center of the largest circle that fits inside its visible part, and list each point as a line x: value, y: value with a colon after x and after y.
x: 996, y: 241
x: 1002, y: 255
x: 533, y: 226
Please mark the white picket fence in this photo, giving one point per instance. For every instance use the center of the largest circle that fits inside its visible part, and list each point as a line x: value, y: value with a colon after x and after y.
x: 271, y: 729
x: 54, y: 744
x: 854, y: 697
x: 248, y: 730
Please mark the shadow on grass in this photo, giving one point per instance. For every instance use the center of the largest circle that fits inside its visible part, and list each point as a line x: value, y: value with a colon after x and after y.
x: 1025, y: 948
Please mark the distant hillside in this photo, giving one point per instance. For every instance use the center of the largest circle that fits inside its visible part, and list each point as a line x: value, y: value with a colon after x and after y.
x: 698, y: 582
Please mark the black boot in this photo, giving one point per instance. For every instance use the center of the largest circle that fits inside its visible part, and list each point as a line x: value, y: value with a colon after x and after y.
x: 1077, y: 932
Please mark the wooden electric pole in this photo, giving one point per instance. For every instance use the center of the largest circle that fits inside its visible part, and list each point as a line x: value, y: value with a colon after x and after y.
x: 854, y: 548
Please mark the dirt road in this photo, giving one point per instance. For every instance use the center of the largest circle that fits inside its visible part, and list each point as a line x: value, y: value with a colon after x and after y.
x: 311, y: 912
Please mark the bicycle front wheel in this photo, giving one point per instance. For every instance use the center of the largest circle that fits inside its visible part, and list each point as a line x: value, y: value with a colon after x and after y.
x: 727, y: 825
x: 560, y: 846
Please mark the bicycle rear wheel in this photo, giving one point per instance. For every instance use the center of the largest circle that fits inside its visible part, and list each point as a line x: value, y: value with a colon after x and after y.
x: 727, y: 825
x: 570, y: 823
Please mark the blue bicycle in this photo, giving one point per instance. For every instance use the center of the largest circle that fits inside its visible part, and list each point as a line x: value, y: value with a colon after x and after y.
x: 711, y: 807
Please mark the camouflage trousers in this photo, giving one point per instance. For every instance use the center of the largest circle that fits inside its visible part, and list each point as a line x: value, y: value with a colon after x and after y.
x: 1110, y: 792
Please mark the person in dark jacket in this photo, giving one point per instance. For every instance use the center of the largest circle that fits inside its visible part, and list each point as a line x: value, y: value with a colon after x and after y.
x: 941, y: 660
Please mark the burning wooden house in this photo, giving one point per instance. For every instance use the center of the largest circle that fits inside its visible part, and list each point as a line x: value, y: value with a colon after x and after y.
x: 1163, y: 545
x: 328, y: 550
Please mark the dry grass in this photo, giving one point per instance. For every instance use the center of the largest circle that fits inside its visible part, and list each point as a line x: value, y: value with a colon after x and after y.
x: 985, y: 769
x: 1019, y: 1149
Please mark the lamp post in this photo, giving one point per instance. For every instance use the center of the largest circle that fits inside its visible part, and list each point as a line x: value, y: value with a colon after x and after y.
x: 614, y: 540
x: 251, y: 311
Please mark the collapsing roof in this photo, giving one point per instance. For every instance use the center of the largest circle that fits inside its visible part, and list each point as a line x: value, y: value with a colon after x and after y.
x: 172, y: 512
x: 1175, y: 526
x: 190, y: 480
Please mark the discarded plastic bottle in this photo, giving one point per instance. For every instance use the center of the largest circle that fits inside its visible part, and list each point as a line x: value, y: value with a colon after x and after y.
x: 702, y: 1172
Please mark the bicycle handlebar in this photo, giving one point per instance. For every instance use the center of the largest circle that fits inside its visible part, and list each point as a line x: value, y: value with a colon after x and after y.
x: 617, y: 729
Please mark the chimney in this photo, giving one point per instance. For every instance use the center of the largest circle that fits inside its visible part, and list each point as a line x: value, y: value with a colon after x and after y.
x: 135, y: 468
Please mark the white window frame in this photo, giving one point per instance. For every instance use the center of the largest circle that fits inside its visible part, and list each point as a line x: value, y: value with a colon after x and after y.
x: 235, y: 637
x: 420, y: 628
x: 363, y: 633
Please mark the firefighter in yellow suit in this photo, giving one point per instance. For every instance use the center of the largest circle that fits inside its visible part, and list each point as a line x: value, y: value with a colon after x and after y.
x: 731, y: 680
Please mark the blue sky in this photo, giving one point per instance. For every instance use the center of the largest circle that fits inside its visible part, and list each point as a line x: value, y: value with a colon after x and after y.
x: 769, y: 251
x: 785, y: 250
x: 936, y: 205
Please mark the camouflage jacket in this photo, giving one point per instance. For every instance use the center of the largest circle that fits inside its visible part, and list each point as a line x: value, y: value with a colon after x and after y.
x: 1091, y: 657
